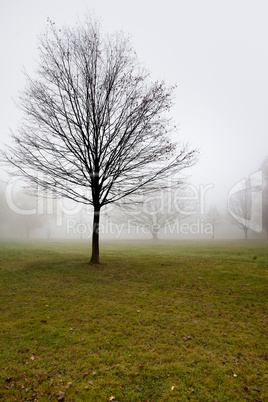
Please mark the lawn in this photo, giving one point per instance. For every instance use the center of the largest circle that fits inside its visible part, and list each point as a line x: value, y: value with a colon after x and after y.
x: 154, y: 322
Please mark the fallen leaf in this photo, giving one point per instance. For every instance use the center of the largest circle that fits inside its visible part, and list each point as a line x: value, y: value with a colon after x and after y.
x: 256, y: 389
x: 112, y: 398
x: 172, y: 387
x: 186, y: 338
x: 61, y: 396
x: 68, y: 385
x: 235, y: 375
x: 50, y: 395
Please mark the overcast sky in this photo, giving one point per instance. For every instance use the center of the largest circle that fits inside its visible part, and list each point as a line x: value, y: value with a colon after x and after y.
x: 215, y: 51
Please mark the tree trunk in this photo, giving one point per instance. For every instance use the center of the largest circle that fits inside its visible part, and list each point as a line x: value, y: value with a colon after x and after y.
x: 27, y: 232
x: 246, y: 233
x: 95, y: 257
x: 155, y: 235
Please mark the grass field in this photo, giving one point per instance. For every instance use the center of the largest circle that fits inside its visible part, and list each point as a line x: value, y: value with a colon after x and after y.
x: 154, y: 322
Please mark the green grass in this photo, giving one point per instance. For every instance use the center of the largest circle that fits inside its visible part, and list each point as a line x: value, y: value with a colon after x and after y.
x: 154, y: 322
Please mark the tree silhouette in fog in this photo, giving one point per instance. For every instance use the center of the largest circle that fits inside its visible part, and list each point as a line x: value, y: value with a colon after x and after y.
x: 96, y: 128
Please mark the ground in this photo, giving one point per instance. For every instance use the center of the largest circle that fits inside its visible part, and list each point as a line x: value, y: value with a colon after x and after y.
x: 155, y: 321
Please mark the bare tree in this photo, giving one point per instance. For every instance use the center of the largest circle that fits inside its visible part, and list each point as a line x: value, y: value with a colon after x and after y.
x: 213, y: 217
x: 4, y: 211
x: 95, y: 128
x: 264, y: 167
x: 240, y: 210
x: 19, y: 215
x: 158, y: 211
x: 25, y: 219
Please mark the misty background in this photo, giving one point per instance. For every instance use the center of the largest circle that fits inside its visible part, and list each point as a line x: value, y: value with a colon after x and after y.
x: 217, y: 55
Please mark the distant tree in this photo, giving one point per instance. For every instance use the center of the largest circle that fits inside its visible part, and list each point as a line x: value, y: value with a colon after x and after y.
x: 154, y: 213
x: 213, y: 217
x: 240, y: 210
x: 19, y: 214
x: 95, y: 128
x: 264, y: 168
x: 79, y: 223
x: 24, y: 218
x: 4, y: 211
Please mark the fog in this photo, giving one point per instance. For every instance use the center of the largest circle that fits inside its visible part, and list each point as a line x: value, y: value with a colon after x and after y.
x: 217, y: 55
x: 170, y: 215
